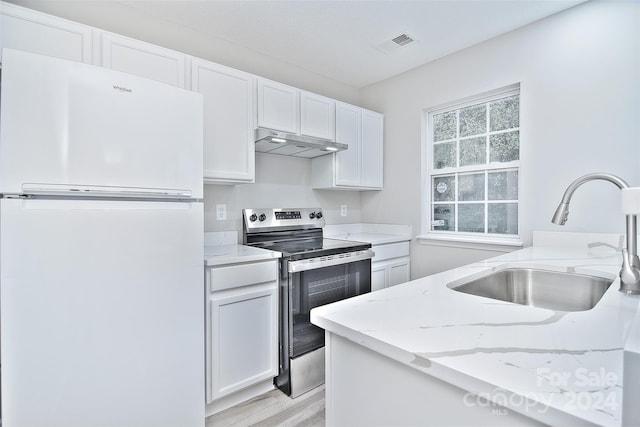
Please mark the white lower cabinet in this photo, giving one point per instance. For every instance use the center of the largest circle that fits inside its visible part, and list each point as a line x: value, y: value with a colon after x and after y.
x: 378, y: 277
x: 390, y: 266
x: 399, y: 271
x: 241, y: 328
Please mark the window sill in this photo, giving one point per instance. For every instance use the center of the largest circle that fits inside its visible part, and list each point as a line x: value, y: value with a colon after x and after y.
x: 470, y: 242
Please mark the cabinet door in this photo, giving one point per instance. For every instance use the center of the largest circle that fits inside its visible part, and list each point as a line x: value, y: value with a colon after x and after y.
x: 243, y: 337
x: 372, y: 137
x: 378, y: 277
x: 278, y: 106
x: 317, y: 116
x: 143, y: 59
x: 34, y: 32
x: 399, y: 272
x: 348, y: 131
x: 229, y: 149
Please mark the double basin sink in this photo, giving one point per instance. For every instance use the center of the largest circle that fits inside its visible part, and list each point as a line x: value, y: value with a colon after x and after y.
x: 538, y: 287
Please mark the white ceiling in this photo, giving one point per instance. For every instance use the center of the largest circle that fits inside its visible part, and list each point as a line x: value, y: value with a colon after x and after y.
x: 347, y: 41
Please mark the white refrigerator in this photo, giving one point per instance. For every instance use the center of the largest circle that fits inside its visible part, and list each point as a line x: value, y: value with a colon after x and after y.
x: 101, y: 241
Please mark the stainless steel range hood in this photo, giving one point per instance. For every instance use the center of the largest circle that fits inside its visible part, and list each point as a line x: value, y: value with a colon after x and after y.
x: 287, y: 144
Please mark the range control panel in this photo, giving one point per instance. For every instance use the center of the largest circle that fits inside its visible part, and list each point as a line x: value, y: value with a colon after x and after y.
x: 288, y: 215
x: 273, y: 218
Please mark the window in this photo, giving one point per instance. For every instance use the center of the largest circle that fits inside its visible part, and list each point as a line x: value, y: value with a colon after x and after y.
x: 473, y: 162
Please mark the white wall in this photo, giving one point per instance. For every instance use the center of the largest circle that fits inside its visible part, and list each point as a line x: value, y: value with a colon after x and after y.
x: 579, y: 72
x: 281, y: 182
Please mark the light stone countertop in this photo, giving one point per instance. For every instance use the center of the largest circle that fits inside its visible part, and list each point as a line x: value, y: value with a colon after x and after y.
x: 560, y: 365
x: 376, y: 234
x: 373, y: 238
x: 222, y: 248
x: 235, y: 254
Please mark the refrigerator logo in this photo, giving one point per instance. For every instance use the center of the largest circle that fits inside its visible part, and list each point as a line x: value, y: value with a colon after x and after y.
x: 122, y: 89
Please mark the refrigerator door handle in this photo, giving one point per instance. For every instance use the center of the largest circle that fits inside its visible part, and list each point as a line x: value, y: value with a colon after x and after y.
x: 68, y: 190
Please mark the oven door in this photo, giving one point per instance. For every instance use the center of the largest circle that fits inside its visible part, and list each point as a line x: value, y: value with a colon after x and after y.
x: 318, y: 281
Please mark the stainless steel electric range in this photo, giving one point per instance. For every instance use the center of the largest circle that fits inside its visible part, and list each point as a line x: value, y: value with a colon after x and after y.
x: 314, y: 271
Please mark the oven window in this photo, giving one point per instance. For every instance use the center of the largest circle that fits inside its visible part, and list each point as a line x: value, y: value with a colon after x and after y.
x: 321, y: 286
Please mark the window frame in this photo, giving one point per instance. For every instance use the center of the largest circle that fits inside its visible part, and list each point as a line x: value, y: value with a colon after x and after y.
x: 483, y: 240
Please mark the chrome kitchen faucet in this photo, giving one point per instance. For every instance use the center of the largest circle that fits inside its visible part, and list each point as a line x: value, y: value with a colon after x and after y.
x: 630, y: 271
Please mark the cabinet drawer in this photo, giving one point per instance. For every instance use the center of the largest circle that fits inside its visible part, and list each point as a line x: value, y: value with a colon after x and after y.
x: 392, y: 250
x: 234, y: 276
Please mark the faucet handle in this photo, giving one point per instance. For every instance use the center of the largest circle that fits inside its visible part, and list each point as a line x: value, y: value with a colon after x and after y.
x: 629, y: 273
x: 625, y: 258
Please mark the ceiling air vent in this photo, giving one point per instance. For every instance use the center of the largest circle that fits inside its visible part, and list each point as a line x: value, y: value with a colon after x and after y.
x: 402, y: 40
x: 396, y: 45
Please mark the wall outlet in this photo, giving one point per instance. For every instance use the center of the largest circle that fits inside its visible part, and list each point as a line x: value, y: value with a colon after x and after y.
x: 343, y: 210
x: 221, y: 212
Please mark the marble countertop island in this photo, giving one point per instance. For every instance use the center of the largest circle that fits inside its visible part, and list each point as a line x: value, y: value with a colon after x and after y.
x: 556, y: 367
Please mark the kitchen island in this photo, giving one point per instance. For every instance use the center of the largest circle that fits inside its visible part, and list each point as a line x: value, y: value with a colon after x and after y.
x: 421, y: 353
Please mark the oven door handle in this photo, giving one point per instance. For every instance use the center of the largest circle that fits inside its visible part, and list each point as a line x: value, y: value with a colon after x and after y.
x: 329, y: 260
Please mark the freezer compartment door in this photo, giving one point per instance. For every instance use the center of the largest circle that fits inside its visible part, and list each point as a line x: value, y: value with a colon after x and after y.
x: 67, y: 123
x: 102, y: 313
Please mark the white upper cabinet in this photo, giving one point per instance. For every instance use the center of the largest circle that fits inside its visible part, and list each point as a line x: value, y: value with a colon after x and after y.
x: 229, y: 149
x: 34, y: 32
x: 235, y: 103
x: 360, y: 166
x: 372, y: 136
x: 288, y: 109
x: 278, y: 106
x: 143, y: 59
x: 317, y: 116
x: 348, y: 163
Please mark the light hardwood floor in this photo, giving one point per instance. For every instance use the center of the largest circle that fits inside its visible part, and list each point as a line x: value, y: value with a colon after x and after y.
x: 275, y: 409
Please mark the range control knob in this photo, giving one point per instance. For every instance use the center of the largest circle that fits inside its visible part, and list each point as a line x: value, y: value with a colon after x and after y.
x: 253, y: 217
x: 312, y: 215
x: 262, y: 217
x: 319, y: 215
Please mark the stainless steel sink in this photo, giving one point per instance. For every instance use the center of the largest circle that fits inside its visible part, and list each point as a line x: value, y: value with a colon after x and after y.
x: 555, y: 290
